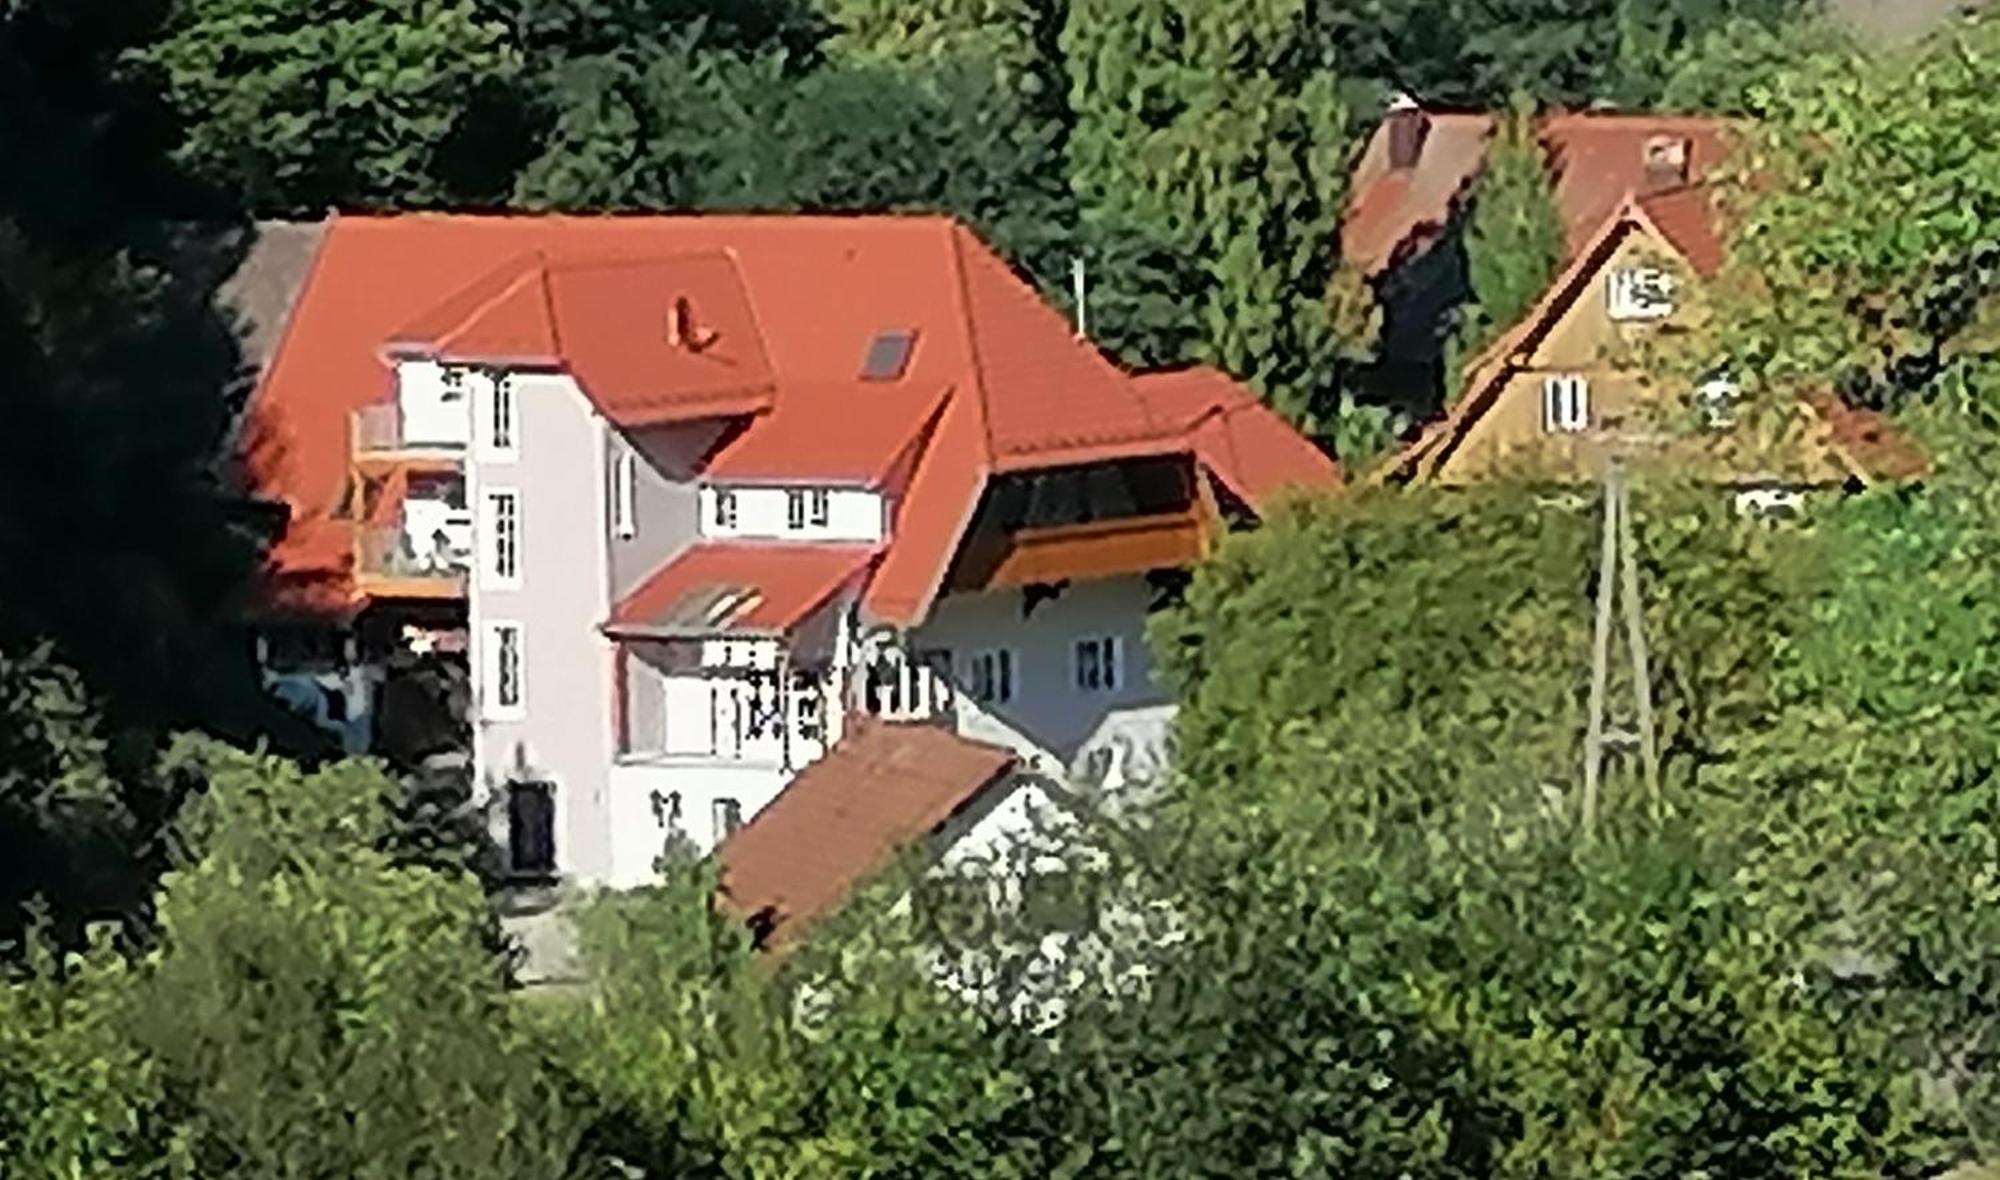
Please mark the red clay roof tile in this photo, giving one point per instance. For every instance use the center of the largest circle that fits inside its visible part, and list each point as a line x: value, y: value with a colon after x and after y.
x: 883, y: 787
x: 780, y: 311
x: 739, y: 586
x: 1255, y: 453
x: 1598, y: 160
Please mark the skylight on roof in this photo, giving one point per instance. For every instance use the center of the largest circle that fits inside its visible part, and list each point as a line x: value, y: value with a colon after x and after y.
x: 888, y: 354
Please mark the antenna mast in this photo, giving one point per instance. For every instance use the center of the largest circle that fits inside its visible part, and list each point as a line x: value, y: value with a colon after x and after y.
x: 1618, y: 588
x: 1076, y: 281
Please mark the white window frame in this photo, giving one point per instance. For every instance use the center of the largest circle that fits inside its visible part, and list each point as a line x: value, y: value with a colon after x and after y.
x: 1639, y: 293
x: 493, y: 672
x: 624, y: 494
x: 500, y: 435
x: 819, y: 508
x: 724, y: 514
x: 1097, y: 664
x: 993, y: 676
x: 1565, y: 403
x: 500, y: 549
x: 795, y: 510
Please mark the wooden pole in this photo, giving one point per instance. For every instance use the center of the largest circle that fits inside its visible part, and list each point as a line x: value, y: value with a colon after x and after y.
x: 1600, y: 652
x: 1635, y: 636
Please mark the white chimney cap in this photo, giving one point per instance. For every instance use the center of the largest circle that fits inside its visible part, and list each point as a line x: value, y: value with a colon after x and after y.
x: 1402, y: 101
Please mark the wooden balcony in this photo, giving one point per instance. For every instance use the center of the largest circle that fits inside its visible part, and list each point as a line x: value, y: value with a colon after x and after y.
x: 386, y: 566
x: 378, y: 438
x: 1097, y: 549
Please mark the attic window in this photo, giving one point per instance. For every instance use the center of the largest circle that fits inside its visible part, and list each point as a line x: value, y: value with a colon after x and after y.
x: 888, y: 355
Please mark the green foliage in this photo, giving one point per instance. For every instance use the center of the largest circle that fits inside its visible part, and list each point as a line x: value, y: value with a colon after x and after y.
x: 1683, y: 995
x: 1513, y: 234
x: 1734, y: 67
x: 1875, y: 191
x: 1572, y: 54
x: 302, y: 108
x: 1209, y: 160
x: 77, y: 1096
x: 322, y: 1011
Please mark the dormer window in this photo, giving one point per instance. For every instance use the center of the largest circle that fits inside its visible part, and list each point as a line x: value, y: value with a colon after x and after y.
x: 1639, y: 293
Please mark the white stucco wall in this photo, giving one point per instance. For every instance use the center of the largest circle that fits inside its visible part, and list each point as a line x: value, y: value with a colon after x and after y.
x: 564, y: 733
x: 639, y: 832
x: 432, y: 414
x: 853, y: 514
x: 1048, y: 706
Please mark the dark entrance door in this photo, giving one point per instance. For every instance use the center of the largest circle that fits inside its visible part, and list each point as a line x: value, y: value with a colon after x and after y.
x: 531, y: 828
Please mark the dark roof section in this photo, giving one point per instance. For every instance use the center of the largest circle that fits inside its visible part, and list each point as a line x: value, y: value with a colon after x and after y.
x: 883, y: 787
x: 265, y: 286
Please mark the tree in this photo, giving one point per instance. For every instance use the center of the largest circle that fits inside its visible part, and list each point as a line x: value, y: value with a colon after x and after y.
x: 321, y: 1010
x: 1871, y: 208
x: 1513, y: 237
x: 78, y: 1097
x: 1733, y: 68
x: 343, y: 104
x: 1209, y: 164
x: 1572, y: 54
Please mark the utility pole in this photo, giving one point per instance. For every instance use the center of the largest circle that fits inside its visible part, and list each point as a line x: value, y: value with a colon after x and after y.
x: 1076, y: 282
x: 1618, y: 588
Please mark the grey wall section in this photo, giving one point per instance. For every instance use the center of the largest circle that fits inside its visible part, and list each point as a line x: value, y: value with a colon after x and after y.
x: 566, y: 736
x: 1048, y: 706
x: 646, y: 699
x: 666, y: 507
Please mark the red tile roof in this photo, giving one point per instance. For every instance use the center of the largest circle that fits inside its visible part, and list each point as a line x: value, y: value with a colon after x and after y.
x: 1598, y: 160
x: 879, y: 423
x: 649, y: 340
x: 1255, y: 453
x: 1687, y: 217
x: 779, y: 314
x: 739, y: 586
x: 883, y: 787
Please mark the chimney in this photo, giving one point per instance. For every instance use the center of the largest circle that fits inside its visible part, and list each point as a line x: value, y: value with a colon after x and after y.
x: 1666, y: 162
x: 1408, y: 125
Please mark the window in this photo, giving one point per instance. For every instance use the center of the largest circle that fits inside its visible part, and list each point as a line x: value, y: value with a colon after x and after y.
x: 1715, y: 402
x: 1097, y: 663
x: 993, y: 676
x: 453, y: 384
x: 727, y: 817
x: 795, y: 510
x: 1639, y: 293
x: 503, y: 422
x: 503, y: 538
x: 506, y: 667
x: 725, y: 509
x: 819, y: 508
x: 624, y: 489
x: 1565, y: 404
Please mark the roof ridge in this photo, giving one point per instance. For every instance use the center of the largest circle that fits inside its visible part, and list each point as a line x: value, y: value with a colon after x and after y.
x: 955, y: 241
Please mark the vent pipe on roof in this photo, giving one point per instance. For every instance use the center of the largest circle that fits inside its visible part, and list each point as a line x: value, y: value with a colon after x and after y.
x: 1076, y: 280
x: 1408, y: 126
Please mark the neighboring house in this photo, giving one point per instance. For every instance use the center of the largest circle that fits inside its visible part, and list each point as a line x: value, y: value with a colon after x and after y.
x: 1410, y: 191
x: 705, y: 493
x: 1583, y: 373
